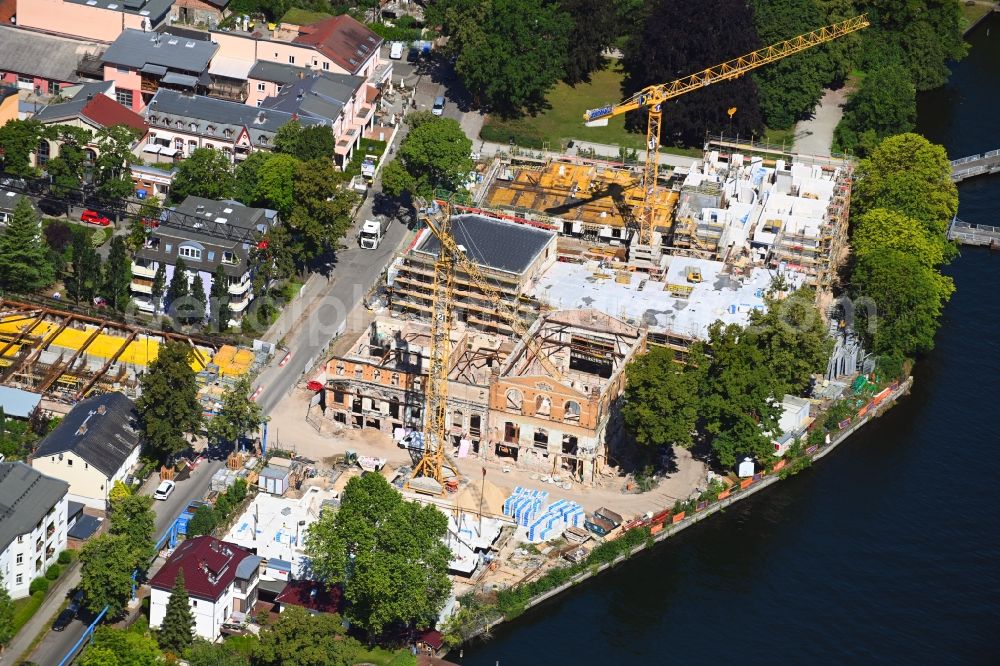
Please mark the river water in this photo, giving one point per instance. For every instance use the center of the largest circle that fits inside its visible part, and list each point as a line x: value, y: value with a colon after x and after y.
x: 885, y: 551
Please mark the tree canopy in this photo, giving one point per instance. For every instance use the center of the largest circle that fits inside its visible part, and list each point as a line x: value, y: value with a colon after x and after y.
x: 595, y: 28
x: 322, y: 212
x: 24, y: 259
x: 302, y: 639
x: 117, y: 275
x: 18, y: 140
x: 268, y: 179
x: 176, y: 632
x: 238, y: 416
x: 661, y: 400
x: 386, y: 552
x: 881, y: 228
x: 510, y: 52
x: 205, y: 173
x: 886, y: 104
x: 168, y: 406
x: 6, y: 615
x: 106, y: 566
x: 314, y: 142
x: 132, y: 516
x: 435, y: 154
x: 120, y: 647
x: 680, y: 38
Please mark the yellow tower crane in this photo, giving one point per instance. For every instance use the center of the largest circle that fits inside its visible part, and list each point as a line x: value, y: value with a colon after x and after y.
x: 653, y: 97
x: 434, y: 464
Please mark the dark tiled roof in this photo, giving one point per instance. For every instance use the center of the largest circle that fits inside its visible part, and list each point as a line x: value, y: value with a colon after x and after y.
x: 135, y: 48
x: 100, y: 109
x: 84, y: 528
x: 311, y: 595
x: 209, y: 567
x: 321, y: 95
x: 101, y: 430
x: 40, y: 55
x: 496, y: 244
x: 154, y: 10
x: 26, y: 495
x: 342, y: 39
x: 277, y: 72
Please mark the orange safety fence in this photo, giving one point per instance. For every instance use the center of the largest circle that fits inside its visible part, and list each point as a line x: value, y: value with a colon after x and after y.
x: 745, y: 483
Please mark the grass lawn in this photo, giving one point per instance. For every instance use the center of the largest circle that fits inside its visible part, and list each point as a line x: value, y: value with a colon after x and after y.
x: 298, y: 16
x: 25, y: 608
x: 382, y: 657
x: 973, y: 13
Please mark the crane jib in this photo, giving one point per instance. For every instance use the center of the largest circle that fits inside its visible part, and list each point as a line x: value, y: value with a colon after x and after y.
x: 599, y: 113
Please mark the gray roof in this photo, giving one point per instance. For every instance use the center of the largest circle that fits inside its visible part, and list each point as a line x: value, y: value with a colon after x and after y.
x: 247, y: 566
x: 26, y: 495
x: 105, y: 439
x: 274, y: 473
x: 169, y: 106
x: 41, y: 55
x: 136, y: 49
x: 155, y: 10
x: 276, y: 72
x: 8, y: 200
x: 82, y: 90
x: 497, y: 244
x: 63, y: 111
x: 84, y: 528
x: 179, y: 226
x: 321, y: 95
x: 16, y: 402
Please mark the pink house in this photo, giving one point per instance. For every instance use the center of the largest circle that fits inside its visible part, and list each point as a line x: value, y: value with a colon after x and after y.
x: 101, y: 20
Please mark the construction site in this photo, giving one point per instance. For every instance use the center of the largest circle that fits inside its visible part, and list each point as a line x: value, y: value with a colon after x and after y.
x: 66, y: 357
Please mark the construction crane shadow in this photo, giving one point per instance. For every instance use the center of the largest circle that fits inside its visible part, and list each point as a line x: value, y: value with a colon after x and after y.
x: 616, y: 191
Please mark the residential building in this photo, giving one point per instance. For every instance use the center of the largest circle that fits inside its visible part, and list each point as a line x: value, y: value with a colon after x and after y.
x: 266, y: 79
x: 151, y: 182
x: 334, y: 99
x: 181, y: 123
x: 510, y: 255
x: 42, y: 63
x: 99, y: 20
x: 8, y: 202
x: 92, y: 107
x: 206, y: 234
x: 33, y: 511
x: 141, y: 63
x: 94, y: 445
x: 221, y: 579
x: 206, y: 13
x: 567, y: 421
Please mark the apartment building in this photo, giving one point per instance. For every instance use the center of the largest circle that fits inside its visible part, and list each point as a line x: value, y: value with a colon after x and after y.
x: 510, y: 255
x: 33, y: 514
x: 41, y: 63
x: 98, y: 20
x: 206, y: 234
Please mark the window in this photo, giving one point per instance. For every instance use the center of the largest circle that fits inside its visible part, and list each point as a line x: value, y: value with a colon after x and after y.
x: 189, y: 252
x: 20, y: 558
x: 21, y: 78
x: 69, y: 462
x: 20, y: 579
x: 261, y: 87
x: 43, y: 152
x: 291, y: 60
x: 259, y: 102
x: 228, y: 257
x: 194, y: 603
x: 514, y: 399
x: 228, y: 133
x: 326, y: 65
x: 169, y: 248
x: 53, y: 87
x: 124, y: 97
x: 20, y: 539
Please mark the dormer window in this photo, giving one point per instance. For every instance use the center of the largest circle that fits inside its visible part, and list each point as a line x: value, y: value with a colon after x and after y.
x: 228, y: 133
x: 153, y: 120
x: 193, y: 127
x: 263, y: 140
x: 179, y: 124
x: 210, y: 129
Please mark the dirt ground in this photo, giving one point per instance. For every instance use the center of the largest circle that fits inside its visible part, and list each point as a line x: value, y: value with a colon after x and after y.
x: 289, y: 429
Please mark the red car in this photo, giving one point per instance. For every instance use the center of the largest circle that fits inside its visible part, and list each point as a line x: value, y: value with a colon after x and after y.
x: 93, y: 217
x: 149, y: 223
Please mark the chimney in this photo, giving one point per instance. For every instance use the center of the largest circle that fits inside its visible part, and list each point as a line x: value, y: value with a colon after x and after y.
x: 102, y: 410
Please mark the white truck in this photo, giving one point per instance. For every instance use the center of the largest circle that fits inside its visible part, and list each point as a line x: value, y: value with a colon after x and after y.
x: 372, y: 232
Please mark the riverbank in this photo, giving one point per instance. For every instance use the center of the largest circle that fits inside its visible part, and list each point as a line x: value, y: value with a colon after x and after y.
x: 477, y: 620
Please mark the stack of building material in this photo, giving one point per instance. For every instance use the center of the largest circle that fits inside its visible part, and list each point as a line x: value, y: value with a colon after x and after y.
x: 222, y: 479
x: 557, y: 517
x: 524, y: 505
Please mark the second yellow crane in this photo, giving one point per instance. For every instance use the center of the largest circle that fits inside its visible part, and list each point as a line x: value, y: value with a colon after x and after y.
x: 653, y: 97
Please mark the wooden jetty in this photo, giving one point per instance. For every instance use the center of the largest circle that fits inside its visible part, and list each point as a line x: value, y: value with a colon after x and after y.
x: 974, y: 234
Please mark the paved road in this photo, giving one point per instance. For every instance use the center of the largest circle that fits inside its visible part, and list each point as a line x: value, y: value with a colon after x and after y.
x: 52, y: 648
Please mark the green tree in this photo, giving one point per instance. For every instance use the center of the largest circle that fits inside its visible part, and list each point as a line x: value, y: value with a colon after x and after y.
x: 198, y: 296
x: 118, y: 492
x: 511, y: 52
x: 114, y: 157
x: 202, y: 522
x: 886, y: 104
x: 118, y: 274
x: 322, y: 212
x: 910, y: 175
x: 206, y: 173
x: 908, y: 298
x: 106, y: 566
x: 132, y: 517
x: 880, y: 228
x: 270, y: 182
x: 301, y: 639
x: 594, y: 30
x: 203, y: 653
x: 141, y: 223
x: 6, y: 615
x: 65, y: 182
x: 67, y: 170
x: 314, y: 142
x: 158, y: 288
x: 18, y: 140
x: 24, y: 260
x: 221, y: 313
x: 168, y: 406
x: 180, y: 286
x: 387, y: 552
x: 790, y: 88
x: 85, y: 280
x: 679, y: 38
x: 177, y: 630
x: 121, y: 647
x: 661, y: 400
x: 238, y: 416
x: 434, y: 155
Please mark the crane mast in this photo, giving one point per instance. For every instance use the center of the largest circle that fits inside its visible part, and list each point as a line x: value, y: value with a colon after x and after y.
x: 653, y: 97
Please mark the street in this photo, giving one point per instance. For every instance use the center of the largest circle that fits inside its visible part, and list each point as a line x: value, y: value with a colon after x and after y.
x: 55, y: 645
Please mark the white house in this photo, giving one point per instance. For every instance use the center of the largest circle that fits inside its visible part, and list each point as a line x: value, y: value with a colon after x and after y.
x: 32, y: 525
x: 220, y: 578
x: 96, y: 444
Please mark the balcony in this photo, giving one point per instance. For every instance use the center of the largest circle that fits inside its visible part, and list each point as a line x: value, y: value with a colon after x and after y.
x: 237, y: 307
x: 239, y: 288
x: 141, y: 286
x: 144, y: 269
x: 50, y: 530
